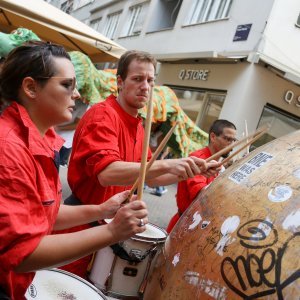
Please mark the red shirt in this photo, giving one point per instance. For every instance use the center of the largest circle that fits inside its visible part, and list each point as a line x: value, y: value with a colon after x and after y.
x: 30, y: 193
x: 104, y: 135
x: 187, y: 190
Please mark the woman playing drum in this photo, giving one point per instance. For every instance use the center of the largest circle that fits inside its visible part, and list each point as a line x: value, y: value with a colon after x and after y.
x: 38, y: 80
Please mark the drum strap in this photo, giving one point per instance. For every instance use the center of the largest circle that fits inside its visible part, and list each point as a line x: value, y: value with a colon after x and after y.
x: 135, y: 258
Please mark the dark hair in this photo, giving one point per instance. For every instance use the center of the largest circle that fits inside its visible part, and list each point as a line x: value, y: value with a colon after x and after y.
x: 129, y: 56
x: 32, y: 59
x: 218, y: 126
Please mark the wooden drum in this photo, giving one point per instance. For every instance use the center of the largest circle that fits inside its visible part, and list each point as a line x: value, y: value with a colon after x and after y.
x: 240, y: 238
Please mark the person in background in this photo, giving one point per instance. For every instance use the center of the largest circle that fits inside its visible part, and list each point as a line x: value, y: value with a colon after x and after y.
x: 221, y: 134
x: 108, y: 141
x: 67, y: 130
x: 156, y: 138
x: 38, y: 80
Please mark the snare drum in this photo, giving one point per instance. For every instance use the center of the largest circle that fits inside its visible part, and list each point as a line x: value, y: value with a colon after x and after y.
x: 59, y: 284
x: 121, y: 278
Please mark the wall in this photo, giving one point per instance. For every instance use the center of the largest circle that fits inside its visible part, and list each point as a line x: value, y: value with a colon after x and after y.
x: 249, y: 88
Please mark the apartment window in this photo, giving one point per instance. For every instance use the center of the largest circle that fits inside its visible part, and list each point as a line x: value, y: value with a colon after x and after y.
x: 67, y: 6
x: 135, y: 21
x: 95, y: 24
x: 80, y: 3
x: 202, y: 107
x: 208, y: 10
x: 111, y: 25
x: 166, y: 12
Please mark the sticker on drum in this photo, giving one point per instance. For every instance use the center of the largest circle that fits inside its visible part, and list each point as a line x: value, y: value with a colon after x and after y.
x: 60, y: 284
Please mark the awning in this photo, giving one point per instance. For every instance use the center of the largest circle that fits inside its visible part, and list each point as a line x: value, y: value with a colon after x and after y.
x: 52, y: 24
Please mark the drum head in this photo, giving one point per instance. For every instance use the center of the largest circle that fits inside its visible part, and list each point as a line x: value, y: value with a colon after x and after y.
x: 59, y: 284
x: 152, y: 233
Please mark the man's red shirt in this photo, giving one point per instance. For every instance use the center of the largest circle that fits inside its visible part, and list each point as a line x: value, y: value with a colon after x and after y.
x: 187, y: 190
x: 30, y: 193
x: 104, y: 135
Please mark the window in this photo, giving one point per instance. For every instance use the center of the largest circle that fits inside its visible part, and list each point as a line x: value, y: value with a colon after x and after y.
x: 166, y: 12
x: 80, y: 3
x: 67, y: 6
x: 202, y: 107
x: 208, y: 10
x: 95, y: 24
x: 134, y: 24
x: 280, y: 122
x: 111, y: 25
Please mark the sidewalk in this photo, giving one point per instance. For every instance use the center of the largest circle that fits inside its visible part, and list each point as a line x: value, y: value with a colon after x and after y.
x: 161, y: 209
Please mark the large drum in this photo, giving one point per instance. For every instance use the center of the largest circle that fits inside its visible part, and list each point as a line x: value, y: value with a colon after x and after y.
x: 122, y: 272
x: 240, y: 238
x: 59, y: 284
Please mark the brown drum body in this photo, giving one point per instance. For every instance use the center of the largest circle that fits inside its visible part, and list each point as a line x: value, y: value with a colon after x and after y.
x: 240, y: 239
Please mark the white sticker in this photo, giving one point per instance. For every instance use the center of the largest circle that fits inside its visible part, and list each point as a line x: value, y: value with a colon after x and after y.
x: 229, y: 226
x: 196, y: 220
x: 176, y: 259
x: 250, y: 166
x: 280, y: 193
x: 292, y: 221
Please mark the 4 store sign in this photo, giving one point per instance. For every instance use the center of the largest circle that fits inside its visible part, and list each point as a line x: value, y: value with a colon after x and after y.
x: 290, y: 98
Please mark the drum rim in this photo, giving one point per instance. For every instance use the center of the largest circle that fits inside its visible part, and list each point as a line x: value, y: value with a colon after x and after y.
x: 96, y: 289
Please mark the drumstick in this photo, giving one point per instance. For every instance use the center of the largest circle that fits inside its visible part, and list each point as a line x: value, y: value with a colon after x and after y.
x: 246, y: 145
x: 230, y: 147
x: 142, y: 173
x: 246, y: 134
x: 154, y: 156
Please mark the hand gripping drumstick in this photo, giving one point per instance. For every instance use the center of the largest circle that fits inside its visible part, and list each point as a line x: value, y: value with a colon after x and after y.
x: 154, y: 156
x: 142, y: 173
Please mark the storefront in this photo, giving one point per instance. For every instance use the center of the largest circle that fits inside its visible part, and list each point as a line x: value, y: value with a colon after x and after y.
x: 245, y: 93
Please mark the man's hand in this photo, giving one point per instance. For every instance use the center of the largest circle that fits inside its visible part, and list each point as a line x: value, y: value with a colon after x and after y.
x: 110, y: 207
x: 127, y: 221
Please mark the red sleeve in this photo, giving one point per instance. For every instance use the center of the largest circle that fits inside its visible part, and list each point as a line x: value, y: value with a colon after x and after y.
x: 195, y: 185
x: 91, y: 139
x: 22, y: 218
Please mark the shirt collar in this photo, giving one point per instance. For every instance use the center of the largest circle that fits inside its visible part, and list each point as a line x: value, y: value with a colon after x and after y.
x: 37, y: 144
x: 132, y: 121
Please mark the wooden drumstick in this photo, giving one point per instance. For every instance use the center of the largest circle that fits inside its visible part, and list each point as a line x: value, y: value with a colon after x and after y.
x: 246, y: 145
x: 154, y: 156
x: 142, y: 173
x: 230, y: 147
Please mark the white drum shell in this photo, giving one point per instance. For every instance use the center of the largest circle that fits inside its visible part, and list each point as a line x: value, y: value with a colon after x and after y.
x: 123, y: 285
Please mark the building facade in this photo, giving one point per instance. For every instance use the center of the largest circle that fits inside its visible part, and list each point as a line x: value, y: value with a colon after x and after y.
x: 232, y: 59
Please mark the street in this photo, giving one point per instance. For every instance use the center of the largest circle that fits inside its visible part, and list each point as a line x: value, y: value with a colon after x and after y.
x: 161, y: 209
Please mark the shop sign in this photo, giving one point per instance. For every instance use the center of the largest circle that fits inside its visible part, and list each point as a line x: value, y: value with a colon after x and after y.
x: 186, y: 74
x: 290, y: 98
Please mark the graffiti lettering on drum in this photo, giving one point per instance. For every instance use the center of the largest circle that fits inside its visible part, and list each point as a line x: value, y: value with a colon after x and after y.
x: 255, y: 270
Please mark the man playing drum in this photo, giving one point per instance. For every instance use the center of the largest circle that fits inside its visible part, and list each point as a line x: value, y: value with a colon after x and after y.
x: 108, y: 142
x: 221, y: 134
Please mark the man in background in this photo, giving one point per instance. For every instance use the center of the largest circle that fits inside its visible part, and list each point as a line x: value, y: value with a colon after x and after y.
x: 222, y: 133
